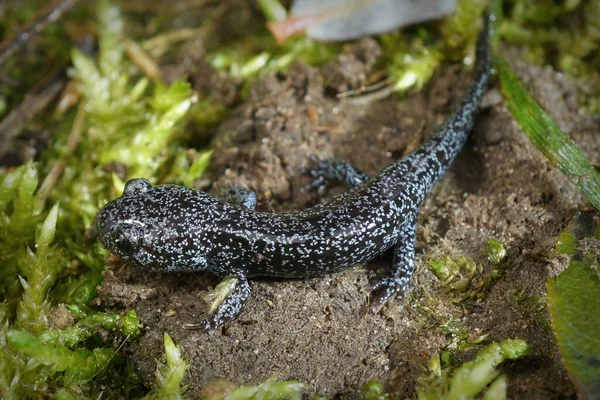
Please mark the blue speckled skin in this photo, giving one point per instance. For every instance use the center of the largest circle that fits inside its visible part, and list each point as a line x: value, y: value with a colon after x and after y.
x: 172, y: 228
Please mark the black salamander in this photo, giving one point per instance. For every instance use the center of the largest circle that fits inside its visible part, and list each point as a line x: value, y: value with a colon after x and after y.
x: 171, y: 228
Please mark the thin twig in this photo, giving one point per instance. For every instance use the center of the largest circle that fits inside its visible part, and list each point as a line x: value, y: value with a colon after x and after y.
x: 43, y: 18
x: 59, y: 167
x: 143, y: 60
x: 159, y: 44
x: 156, y: 6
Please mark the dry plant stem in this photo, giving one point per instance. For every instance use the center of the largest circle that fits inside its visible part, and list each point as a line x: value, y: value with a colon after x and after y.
x: 36, y: 100
x: 155, y: 6
x: 159, y: 44
x: 143, y: 60
x: 59, y: 167
x: 163, y: 42
x: 43, y: 18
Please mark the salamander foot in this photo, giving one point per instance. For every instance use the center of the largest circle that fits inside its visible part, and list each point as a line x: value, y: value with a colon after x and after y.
x: 240, y: 196
x: 398, y: 280
x: 327, y: 171
x: 386, y: 288
x: 226, y: 302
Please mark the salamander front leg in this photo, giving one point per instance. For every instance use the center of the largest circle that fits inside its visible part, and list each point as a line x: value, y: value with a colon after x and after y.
x: 398, y: 280
x: 240, y: 196
x: 328, y: 171
x: 226, y: 302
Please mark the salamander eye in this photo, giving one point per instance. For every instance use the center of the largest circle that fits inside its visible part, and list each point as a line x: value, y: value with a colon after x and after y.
x: 135, y: 186
x: 123, y: 243
x: 126, y: 240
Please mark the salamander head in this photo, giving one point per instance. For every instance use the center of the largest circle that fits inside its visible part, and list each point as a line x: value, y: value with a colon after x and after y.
x: 146, y: 226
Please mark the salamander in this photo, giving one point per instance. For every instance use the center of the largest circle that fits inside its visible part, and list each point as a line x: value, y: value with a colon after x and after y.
x: 171, y: 228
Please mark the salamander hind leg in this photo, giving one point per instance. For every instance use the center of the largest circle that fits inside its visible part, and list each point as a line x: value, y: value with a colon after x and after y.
x: 226, y: 301
x: 327, y: 171
x: 397, y: 281
x: 240, y: 196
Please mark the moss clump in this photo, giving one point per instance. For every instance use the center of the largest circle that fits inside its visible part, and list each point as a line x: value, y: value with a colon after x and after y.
x: 127, y: 128
x: 566, y: 243
x: 477, y: 378
x: 412, y: 58
x: 472, y: 377
x: 460, y: 337
x: 75, y: 367
x: 19, y: 214
x: 373, y: 390
x: 41, y: 268
x: 466, y: 279
x: 495, y: 251
x: 248, y: 57
x: 128, y: 325
x: 458, y: 273
x: 270, y: 389
x: 170, y: 375
x: 31, y: 354
x: 563, y: 34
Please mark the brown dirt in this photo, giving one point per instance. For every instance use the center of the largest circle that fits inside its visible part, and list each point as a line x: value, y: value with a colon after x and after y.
x: 315, y: 330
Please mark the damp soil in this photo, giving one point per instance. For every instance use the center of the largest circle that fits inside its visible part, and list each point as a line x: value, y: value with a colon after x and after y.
x: 316, y: 330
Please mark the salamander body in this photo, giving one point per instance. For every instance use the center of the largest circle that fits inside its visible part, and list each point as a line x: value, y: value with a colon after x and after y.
x: 173, y: 228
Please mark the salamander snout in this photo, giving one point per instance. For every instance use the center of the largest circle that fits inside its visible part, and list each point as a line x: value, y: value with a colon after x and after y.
x: 122, y: 236
x: 119, y: 228
x: 125, y: 239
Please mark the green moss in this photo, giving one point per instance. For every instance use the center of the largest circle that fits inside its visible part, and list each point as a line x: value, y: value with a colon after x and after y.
x: 458, y: 272
x: 79, y: 290
x: 472, y: 377
x: 460, y: 337
x: 170, y: 375
x: 460, y: 29
x: 133, y: 126
x: 548, y: 33
x: 41, y: 268
x: 373, y: 390
x: 566, y: 243
x: 19, y: 215
x: 76, y: 367
x: 26, y: 355
x: 128, y: 325
x: 411, y: 58
x: 495, y: 251
x: 248, y: 57
x: 122, y: 113
x: 271, y: 389
x: 65, y: 394
x: 185, y: 169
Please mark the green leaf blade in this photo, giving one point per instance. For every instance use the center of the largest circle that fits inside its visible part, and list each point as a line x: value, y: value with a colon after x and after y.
x: 574, y: 305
